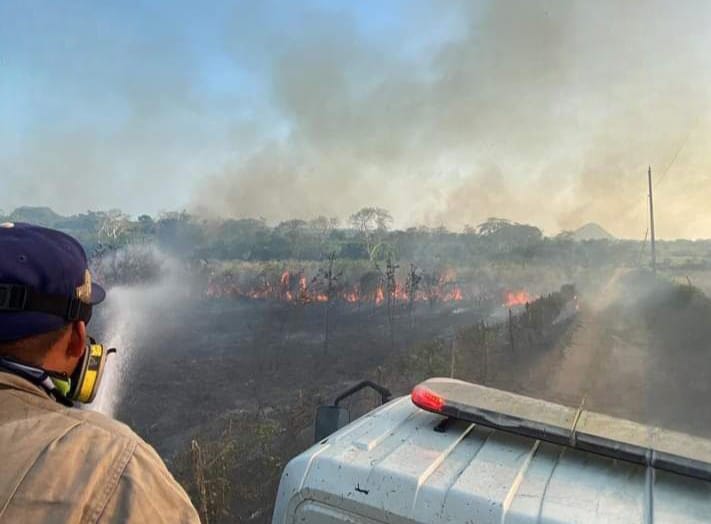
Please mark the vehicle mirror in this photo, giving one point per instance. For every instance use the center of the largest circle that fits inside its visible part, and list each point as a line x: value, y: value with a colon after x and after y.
x: 330, y: 419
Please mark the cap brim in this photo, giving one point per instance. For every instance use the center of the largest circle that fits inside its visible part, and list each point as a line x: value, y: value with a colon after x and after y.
x: 98, y: 294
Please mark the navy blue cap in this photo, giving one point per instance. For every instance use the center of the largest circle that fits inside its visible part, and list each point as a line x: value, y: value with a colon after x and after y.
x: 48, y: 263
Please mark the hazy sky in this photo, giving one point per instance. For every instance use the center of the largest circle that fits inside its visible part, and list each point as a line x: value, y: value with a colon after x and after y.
x: 442, y: 112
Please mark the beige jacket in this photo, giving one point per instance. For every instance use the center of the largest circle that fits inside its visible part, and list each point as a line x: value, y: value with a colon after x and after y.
x: 59, y: 464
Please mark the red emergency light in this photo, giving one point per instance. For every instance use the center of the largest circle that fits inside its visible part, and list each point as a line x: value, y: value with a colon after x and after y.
x: 425, y: 398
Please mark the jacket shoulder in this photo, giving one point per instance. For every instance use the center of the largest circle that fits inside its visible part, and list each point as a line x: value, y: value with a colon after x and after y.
x: 95, y: 421
x: 31, y: 405
x: 147, y: 492
x: 77, y: 463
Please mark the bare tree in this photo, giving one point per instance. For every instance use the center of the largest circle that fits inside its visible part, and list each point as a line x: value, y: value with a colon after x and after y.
x: 412, y: 286
x: 390, y: 291
x: 370, y: 222
x: 431, y: 281
x: 329, y: 279
x: 113, y: 224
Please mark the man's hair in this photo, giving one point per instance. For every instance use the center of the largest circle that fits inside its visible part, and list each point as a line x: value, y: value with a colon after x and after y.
x: 32, y: 348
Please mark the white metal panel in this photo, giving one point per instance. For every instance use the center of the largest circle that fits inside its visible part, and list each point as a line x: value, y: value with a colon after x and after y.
x: 492, y: 477
x: 590, y: 488
x: 680, y: 499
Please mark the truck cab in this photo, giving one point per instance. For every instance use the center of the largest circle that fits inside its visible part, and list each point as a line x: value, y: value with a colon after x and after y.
x: 455, y: 452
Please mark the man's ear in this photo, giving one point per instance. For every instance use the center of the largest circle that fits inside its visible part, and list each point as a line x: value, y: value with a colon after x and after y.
x: 77, y: 340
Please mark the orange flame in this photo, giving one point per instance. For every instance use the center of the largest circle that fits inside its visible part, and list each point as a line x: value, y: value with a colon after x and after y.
x: 457, y: 295
x: 352, y: 296
x: 517, y: 298
x: 379, y: 296
x: 295, y: 287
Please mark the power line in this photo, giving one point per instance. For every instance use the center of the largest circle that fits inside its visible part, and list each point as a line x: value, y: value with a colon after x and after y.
x: 680, y: 148
x: 682, y: 144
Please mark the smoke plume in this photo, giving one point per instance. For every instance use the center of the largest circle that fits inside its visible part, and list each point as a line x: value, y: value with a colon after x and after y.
x: 545, y: 112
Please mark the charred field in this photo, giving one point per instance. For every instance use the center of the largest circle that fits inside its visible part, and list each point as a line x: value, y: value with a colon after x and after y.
x: 226, y: 388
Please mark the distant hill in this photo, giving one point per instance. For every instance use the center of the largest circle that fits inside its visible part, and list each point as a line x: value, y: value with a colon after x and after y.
x: 43, y: 216
x: 592, y: 231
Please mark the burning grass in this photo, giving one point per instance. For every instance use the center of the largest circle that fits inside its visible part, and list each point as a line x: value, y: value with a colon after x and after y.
x: 303, y: 284
x: 359, y: 283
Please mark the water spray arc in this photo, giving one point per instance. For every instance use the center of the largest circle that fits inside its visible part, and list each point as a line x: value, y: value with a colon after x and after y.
x: 130, y: 322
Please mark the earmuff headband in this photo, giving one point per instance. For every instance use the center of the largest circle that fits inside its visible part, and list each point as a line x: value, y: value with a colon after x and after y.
x: 16, y: 298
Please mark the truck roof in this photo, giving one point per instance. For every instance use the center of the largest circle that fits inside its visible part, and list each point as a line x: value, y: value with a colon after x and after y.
x: 395, y: 465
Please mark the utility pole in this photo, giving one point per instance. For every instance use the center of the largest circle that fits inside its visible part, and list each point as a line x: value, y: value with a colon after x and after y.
x: 651, y: 222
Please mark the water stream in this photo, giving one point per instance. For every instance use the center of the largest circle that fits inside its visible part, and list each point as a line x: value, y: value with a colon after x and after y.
x: 126, y: 321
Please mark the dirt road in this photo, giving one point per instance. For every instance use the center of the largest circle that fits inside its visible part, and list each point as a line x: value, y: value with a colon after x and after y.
x: 620, y: 362
x: 605, y: 365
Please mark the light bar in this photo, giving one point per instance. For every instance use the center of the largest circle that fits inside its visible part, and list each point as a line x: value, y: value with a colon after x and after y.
x: 576, y: 428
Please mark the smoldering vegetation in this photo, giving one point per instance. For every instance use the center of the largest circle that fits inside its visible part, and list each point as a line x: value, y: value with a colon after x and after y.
x: 677, y: 370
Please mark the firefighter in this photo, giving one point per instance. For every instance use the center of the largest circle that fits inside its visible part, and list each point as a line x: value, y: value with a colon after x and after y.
x: 59, y: 463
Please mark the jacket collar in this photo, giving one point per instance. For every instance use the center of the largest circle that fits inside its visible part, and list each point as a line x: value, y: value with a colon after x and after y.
x: 12, y: 381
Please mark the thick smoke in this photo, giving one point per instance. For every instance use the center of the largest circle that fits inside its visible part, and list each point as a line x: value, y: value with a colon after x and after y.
x: 545, y: 112
x: 444, y: 113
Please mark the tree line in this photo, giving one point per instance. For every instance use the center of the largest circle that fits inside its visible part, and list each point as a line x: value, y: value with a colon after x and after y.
x: 366, y: 235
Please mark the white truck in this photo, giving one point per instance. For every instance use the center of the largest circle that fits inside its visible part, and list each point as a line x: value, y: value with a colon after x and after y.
x: 459, y: 452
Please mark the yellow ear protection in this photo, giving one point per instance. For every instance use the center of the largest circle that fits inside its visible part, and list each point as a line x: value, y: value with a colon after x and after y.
x: 84, y: 383
x: 87, y: 377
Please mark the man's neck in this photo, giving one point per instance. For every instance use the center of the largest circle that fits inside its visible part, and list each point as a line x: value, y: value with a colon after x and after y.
x: 49, y: 361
